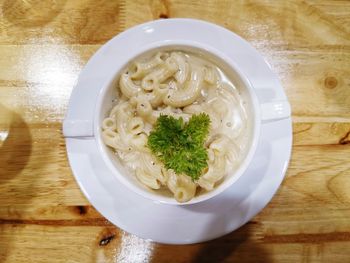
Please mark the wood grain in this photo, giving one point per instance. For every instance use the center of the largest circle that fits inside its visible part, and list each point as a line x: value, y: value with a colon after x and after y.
x: 60, y: 21
x: 43, y: 46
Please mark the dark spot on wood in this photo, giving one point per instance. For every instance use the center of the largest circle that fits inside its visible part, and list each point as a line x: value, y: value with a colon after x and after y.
x: 346, y: 139
x: 82, y: 210
x: 164, y: 16
x: 64, y: 183
x: 330, y: 82
x: 105, y: 241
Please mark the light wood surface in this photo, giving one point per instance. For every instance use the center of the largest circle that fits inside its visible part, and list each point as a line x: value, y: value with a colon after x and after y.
x: 43, y: 46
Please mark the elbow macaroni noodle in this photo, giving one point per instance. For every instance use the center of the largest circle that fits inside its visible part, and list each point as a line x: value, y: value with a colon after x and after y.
x: 178, y: 84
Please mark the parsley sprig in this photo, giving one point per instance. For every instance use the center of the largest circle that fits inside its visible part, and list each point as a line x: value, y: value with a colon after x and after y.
x: 179, y: 145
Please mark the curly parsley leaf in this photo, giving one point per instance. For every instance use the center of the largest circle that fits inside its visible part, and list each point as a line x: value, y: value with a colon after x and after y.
x: 179, y: 145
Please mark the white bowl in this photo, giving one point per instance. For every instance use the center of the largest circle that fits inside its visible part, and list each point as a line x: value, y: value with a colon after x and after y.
x: 258, y: 112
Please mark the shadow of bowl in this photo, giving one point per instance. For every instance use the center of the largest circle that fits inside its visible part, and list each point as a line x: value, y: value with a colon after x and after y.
x: 15, y: 145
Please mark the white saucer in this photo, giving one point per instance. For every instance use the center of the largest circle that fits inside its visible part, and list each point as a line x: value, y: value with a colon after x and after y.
x: 198, y: 222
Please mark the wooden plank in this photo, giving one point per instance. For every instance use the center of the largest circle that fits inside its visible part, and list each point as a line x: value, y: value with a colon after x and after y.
x: 73, y: 22
x: 316, y: 82
x: 62, y: 21
x: 323, y: 133
x: 34, y: 168
x: 36, y: 81
x: 106, y: 244
x: 19, y: 243
x: 335, y: 10
x: 266, y: 24
x: 51, y: 214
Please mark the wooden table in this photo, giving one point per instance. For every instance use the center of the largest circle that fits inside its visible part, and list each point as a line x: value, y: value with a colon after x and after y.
x: 44, y: 217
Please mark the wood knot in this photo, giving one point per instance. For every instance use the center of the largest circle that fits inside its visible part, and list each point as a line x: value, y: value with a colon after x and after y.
x: 346, y: 139
x: 160, y: 9
x: 164, y: 16
x: 105, y: 240
x: 330, y: 82
x: 81, y: 210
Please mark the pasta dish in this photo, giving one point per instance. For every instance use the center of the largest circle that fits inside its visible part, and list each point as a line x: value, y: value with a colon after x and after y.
x: 180, y: 86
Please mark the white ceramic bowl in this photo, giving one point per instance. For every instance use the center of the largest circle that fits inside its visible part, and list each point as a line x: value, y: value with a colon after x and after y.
x: 258, y: 113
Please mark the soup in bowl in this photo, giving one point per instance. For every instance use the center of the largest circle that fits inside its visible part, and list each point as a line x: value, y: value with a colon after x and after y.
x: 178, y: 124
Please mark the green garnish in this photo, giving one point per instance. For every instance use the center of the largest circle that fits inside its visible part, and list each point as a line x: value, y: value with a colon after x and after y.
x: 179, y: 145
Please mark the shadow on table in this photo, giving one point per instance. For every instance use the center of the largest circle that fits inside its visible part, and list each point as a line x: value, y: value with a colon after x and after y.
x: 238, y: 246
x: 15, y: 152
x: 15, y: 144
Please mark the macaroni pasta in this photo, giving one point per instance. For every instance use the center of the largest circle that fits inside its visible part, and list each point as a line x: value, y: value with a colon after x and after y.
x: 178, y: 84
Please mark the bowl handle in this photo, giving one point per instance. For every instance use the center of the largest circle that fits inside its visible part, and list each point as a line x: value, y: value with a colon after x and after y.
x: 78, y: 128
x: 273, y: 111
